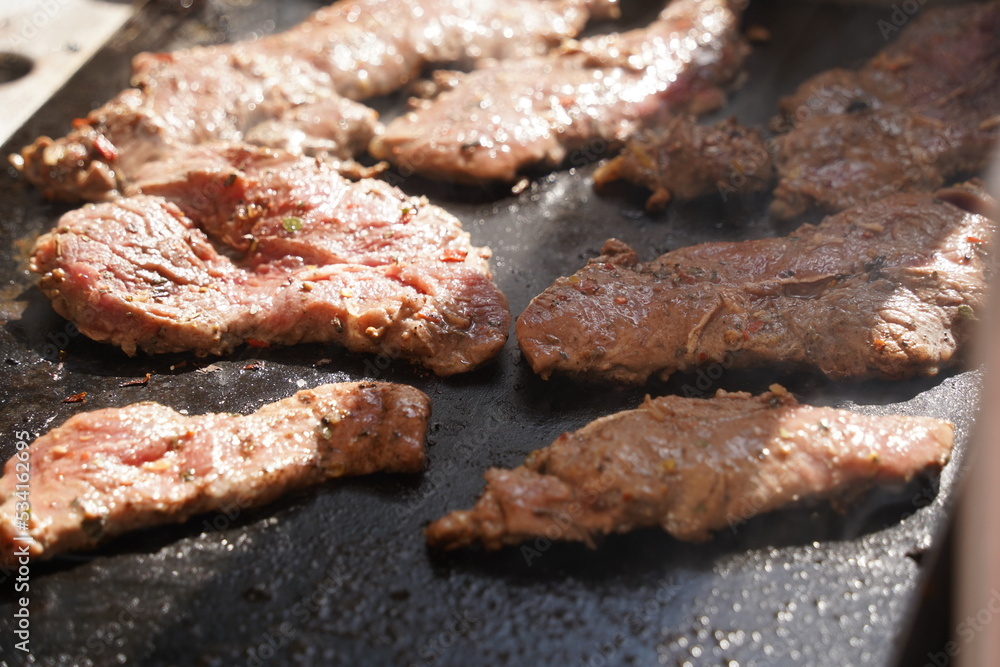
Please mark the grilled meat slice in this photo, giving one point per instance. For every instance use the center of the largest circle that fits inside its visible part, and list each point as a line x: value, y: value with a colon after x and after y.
x: 309, y: 257
x: 692, y: 466
x: 288, y: 90
x: 887, y: 290
x: 922, y: 112
x: 110, y: 471
x: 684, y: 160
x: 497, y: 120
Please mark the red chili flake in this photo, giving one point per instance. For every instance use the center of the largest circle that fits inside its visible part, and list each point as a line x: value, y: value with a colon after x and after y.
x: 136, y: 383
x: 587, y: 286
x: 430, y: 318
x: 256, y: 342
x: 105, y: 148
x: 753, y: 327
x: 878, y: 344
x: 620, y: 300
x: 974, y: 239
x: 76, y: 398
x: 79, y: 122
x: 452, y: 255
x: 686, y: 278
x: 252, y: 366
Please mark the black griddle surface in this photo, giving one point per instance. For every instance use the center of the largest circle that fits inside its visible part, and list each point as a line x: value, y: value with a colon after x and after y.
x: 339, y: 574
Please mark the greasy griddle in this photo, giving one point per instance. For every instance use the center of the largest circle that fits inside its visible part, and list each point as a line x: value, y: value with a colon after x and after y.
x: 339, y: 574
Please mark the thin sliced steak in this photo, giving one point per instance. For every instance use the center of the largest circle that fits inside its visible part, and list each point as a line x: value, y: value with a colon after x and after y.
x: 692, y: 466
x: 922, y: 112
x: 309, y: 257
x: 288, y: 90
x: 887, y: 290
x: 684, y: 160
x: 110, y: 471
x: 498, y: 120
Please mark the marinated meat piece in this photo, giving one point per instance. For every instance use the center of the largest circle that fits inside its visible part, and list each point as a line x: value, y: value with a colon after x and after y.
x: 841, y: 161
x: 922, y: 112
x: 943, y: 54
x: 887, y: 290
x: 287, y: 90
x: 692, y: 466
x: 685, y: 160
x: 107, y: 472
x: 189, y: 98
x: 308, y: 257
x: 497, y: 120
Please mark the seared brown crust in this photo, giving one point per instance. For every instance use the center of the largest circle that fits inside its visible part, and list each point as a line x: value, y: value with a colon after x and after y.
x: 887, y: 290
x: 684, y: 160
x: 319, y: 259
x: 106, y: 472
x: 692, y: 466
x: 495, y: 121
x: 922, y: 112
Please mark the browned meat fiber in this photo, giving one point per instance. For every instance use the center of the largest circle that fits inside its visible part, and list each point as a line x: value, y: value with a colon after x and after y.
x: 308, y: 257
x: 886, y: 290
x: 111, y: 471
x: 292, y: 90
x: 498, y: 120
x: 684, y: 160
x: 692, y: 466
x: 922, y: 112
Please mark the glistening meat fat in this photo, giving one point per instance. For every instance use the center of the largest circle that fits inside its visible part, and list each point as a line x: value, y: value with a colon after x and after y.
x: 110, y: 471
x: 887, y: 290
x: 692, y: 466
x: 293, y: 90
x: 495, y: 121
x: 308, y: 257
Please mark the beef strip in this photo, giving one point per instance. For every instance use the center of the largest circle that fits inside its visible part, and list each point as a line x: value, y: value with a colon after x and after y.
x: 922, y: 112
x: 498, y: 120
x: 308, y: 256
x: 289, y: 90
x: 107, y: 472
x: 692, y: 466
x: 684, y: 160
x: 887, y: 290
